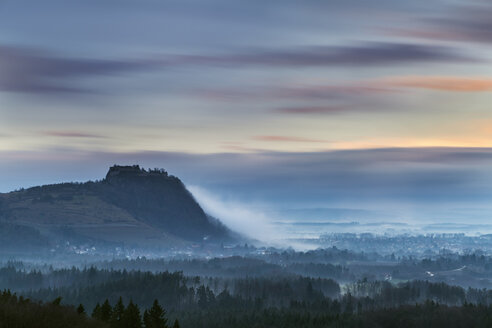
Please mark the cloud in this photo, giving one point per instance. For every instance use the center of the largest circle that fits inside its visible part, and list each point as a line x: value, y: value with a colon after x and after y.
x: 469, y: 23
x: 444, y: 83
x: 364, y: 89
x: 364, y: 54
x: 347, y: 97
x: 313, y: 109
x: 333, y: 90
x: 237, y: 216
x: 33, y: 71
x: 71, y: 134
x: 286, y: 139
x: 238, y: 147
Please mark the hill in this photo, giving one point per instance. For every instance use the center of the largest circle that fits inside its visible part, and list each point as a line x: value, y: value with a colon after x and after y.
x: 130, y: 206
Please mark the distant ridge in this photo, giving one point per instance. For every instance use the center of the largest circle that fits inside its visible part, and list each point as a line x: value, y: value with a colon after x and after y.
x: 130, y: 205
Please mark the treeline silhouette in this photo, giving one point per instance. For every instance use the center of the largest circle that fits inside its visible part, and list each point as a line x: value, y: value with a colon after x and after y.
x: 173, y: 290
x: 119, y: 316
x: 19, y: 312
x: 429, y: 314
x: 234, y: 266
x: 23, y: 313
x: 466, y: 270
x: 115, y: 299
x: 179, y: 293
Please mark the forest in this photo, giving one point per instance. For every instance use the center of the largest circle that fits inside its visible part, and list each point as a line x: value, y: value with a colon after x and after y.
x: 112, y: 297
x: 17, y: 312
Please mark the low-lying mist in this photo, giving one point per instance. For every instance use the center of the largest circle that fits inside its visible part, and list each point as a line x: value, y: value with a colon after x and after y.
x: 239, y: 217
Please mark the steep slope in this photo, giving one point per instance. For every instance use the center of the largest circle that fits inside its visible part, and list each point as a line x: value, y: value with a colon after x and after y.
x: 159, y: 200
x: 131, y: 206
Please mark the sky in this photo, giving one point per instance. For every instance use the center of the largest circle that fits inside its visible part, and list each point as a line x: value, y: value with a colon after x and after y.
x: 351, y: 103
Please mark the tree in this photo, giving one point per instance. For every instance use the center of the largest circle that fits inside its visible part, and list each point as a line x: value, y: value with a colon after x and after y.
x: 131, y: 317
x: 57, y: 301
x: 96, y: 313
x: 106, y: 311
x: 176, y: 324
x: 80, y: 309
x: 155, y: 317
x: 202, y: 297
x: 117, y: 315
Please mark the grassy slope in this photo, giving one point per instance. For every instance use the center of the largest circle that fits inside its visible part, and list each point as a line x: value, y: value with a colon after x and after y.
x: 74, y: 206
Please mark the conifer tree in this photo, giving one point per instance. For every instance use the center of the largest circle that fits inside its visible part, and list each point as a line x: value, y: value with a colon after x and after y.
x: 131, y: 317
x: 80, y: 309
x: 106, y: 311
x: 57, y: 301
x: 96, y: 313
x: 117, y: 315
x: 155, y: 317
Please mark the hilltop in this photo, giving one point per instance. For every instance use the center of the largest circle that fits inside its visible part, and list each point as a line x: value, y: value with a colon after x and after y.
x: 130, y: 206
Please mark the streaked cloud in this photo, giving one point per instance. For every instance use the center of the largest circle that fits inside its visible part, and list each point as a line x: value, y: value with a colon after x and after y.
x: 314, y: 109
x: 468, y: 22
x: 444, y: 83
x: 71, y: 134
x: 35, y: 71
x: 286, y: 139
x: 312, y: 90
x: 363, y: 54
x: 32, y: 70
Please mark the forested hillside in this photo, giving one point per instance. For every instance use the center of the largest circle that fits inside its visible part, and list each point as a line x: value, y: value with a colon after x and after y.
x: 130, y: 206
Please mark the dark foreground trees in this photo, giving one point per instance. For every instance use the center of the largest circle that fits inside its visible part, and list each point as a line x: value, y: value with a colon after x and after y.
x: 18, y: 312
x: 120, y: 316
x: 155, y: 317
x: 428, y: 315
